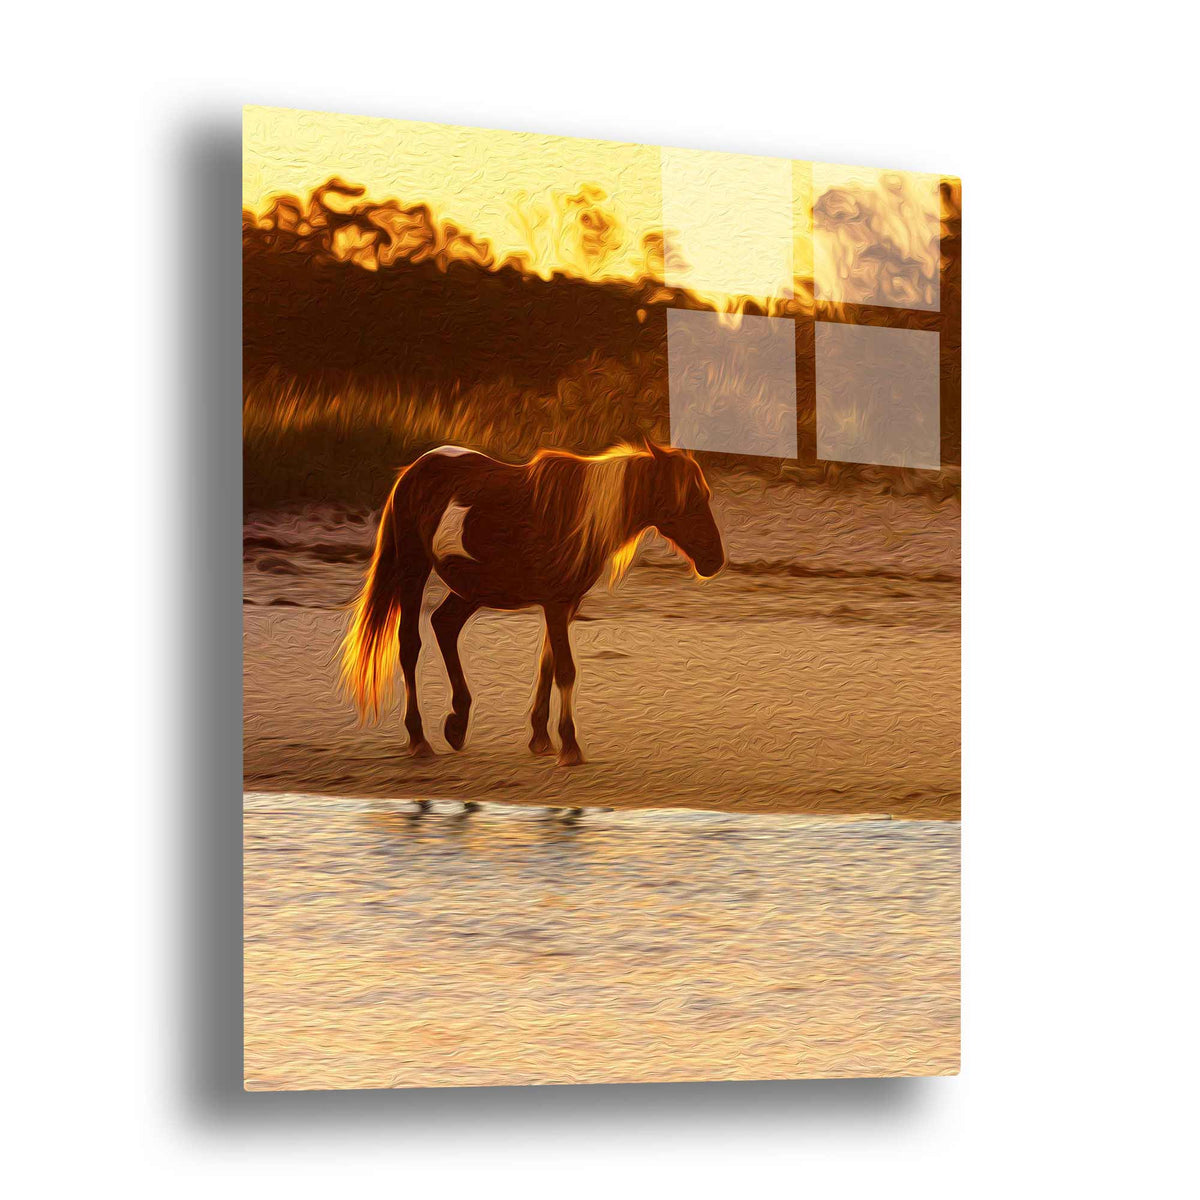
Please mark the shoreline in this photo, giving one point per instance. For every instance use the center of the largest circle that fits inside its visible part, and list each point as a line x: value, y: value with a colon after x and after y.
x: 300, y: 799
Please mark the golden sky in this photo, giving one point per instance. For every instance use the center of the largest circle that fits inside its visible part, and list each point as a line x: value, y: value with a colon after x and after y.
x: 736, y: 224
x: 489, y: 182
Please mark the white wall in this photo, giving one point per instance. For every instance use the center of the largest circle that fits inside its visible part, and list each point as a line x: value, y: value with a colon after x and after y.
x: 122, y: 474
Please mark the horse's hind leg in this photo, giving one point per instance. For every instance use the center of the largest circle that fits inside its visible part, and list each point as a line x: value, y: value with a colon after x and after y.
x: 539, y: 717
x: 451, y: 615
x: 558, y: 619
x: 412, y: 589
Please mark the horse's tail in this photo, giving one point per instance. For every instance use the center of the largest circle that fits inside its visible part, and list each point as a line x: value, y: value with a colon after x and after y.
x: 369, y: 649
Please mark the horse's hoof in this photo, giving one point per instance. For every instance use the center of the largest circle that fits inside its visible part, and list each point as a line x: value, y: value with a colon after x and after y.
x: 424, y: 805
x: 540, y: 743
x: 455, y: 730
x: 469, y: 806
x: 421, y: 749
x: 570, y: 756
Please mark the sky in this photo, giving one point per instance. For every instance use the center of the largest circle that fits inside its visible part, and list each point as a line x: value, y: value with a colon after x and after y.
x: 734, y: 224
x: 488, y: 182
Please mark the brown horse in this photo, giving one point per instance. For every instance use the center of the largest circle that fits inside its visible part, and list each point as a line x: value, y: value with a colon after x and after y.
x: 510, y: 537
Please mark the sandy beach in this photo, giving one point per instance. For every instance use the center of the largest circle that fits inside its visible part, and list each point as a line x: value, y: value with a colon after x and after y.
x: 818, y: 673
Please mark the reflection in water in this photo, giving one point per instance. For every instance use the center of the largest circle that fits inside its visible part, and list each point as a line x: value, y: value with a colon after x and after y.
x: 388, y: 947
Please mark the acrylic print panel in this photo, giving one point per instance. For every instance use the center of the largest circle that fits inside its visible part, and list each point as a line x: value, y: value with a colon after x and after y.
x: 601, y: 611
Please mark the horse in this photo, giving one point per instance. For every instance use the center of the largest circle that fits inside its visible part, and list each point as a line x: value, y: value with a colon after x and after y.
x: 513, y: 536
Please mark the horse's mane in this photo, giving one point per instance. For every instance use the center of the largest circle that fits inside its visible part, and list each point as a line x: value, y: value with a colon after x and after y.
x: 585, y: 500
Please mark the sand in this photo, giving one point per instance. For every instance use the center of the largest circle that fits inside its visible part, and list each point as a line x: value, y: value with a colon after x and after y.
x: 819, y: 673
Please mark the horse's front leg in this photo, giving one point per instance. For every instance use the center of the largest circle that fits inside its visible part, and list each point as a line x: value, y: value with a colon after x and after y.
x: 539, y: 716
x: 451, y: 615
x: 558, y: 620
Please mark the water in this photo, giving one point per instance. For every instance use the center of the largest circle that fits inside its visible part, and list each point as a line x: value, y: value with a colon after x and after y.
x: 388, y: 947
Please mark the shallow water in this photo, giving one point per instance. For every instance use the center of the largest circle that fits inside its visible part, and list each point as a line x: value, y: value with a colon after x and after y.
x: 389, y: 947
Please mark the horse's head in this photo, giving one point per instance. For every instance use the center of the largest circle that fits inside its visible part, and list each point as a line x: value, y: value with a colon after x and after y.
x: 680, y: 511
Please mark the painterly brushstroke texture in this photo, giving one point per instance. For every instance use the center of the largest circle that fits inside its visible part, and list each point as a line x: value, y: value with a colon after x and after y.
x: 475, y: 913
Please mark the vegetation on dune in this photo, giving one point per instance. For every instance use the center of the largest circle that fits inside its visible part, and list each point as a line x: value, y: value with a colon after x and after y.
x: 373, y: 332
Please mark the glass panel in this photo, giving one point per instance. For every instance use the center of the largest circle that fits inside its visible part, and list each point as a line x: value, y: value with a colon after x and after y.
x: 733, y: 383
x: 727, y: 221
x: 876, y: 237
x: 878, y: 396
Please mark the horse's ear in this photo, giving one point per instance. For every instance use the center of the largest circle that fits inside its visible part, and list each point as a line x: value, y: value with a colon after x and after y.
x: 656, y: 450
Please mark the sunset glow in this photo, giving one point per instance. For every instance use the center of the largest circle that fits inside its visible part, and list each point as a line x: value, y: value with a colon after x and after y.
x: 719, y: 225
